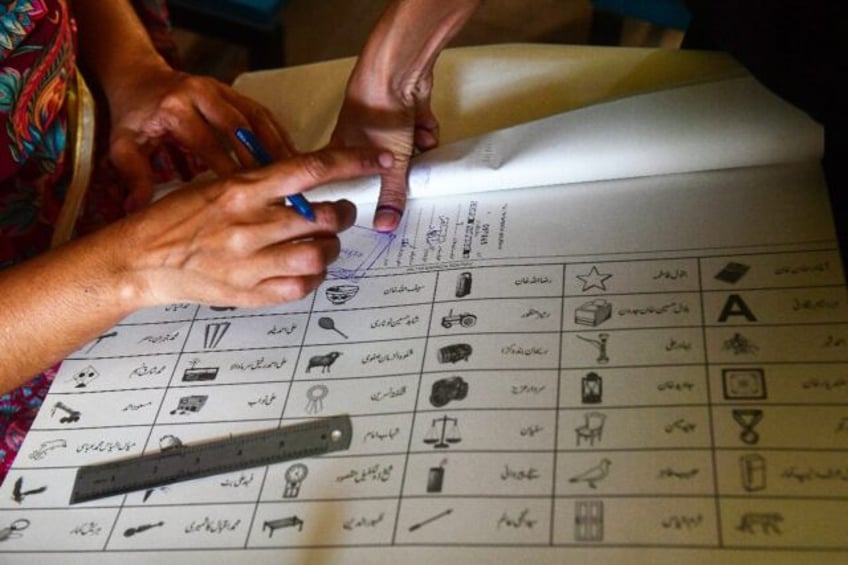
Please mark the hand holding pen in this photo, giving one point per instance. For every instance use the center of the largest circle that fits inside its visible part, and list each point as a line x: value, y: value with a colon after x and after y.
x: 298, y: 201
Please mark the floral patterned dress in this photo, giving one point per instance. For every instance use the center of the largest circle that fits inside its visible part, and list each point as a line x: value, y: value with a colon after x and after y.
x: 37, y: 63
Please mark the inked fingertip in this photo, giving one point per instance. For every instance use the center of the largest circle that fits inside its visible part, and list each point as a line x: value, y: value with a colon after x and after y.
x: 387, y: 218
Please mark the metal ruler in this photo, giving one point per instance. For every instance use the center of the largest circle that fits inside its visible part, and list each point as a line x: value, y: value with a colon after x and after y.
x: 235, y: 453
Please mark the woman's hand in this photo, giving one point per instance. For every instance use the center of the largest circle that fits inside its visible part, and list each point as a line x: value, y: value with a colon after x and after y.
x: 387, y: 101
x: 200, y: 114
x: 233, y: 242
x: 150, y: 103
x: 401, y: 122
x: 228, y: 242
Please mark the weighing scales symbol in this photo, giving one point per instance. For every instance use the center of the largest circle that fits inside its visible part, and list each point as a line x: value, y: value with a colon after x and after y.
x: 748, y: 419
x: 315, y: 398
x: 441, y: 439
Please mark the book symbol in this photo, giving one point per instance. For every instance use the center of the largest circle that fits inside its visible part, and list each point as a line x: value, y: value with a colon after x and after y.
x: 732, y: 272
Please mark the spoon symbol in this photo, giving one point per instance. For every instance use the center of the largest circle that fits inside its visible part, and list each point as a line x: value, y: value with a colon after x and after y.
x: 329, y: 324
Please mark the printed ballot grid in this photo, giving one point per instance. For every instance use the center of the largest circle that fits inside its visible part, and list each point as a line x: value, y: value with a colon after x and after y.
x: 686, y: 402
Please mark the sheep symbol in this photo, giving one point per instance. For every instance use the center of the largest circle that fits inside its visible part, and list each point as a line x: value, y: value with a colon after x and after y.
x: 323, y: 361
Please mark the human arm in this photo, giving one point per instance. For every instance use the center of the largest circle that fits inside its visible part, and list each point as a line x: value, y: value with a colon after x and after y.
x: 387, y: 100
x: 150, y: 103
x: 227, y: 242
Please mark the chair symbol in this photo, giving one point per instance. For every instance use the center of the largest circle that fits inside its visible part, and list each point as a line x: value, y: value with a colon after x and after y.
x: 592, y: 428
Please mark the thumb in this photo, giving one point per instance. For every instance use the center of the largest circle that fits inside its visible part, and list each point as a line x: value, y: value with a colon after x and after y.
x: 392, y: 201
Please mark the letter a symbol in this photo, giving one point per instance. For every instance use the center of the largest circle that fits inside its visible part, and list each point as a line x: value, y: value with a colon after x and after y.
x: 735, y: 306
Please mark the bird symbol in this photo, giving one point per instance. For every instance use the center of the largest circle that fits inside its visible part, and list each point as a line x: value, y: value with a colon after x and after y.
x: 594, y: 474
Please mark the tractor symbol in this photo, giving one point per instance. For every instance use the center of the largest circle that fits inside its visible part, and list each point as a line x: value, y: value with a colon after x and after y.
x: 465, y: 319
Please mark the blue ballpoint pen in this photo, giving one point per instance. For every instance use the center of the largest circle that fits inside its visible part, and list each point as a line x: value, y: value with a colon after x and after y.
x: 298, y: 201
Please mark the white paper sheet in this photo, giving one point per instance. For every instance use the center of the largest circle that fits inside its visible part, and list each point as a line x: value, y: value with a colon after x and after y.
x: 647, y: 369
x: 619, y: 377
x: 719, y: 125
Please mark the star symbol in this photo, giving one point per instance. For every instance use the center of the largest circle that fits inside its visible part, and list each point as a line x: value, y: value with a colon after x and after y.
x: 594, y: 280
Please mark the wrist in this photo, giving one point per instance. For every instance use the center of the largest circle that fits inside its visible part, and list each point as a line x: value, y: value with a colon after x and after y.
x: 116, y: 284
x: 121, y: 87
x: 401, y: 51
x: 113, y: 45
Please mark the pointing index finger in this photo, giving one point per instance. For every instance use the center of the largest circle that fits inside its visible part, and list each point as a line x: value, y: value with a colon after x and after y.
x: 306, y: 171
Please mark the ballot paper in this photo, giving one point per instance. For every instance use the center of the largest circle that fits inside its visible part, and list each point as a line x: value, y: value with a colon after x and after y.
x: 724, y: 124
x: 648, y: 363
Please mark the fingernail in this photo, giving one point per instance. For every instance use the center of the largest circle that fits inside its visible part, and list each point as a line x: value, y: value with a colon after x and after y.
x: 387, y: 218
x: 386, y: 160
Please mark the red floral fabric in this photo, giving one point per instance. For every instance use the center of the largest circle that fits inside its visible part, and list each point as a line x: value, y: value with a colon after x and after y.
x: 37, y: 63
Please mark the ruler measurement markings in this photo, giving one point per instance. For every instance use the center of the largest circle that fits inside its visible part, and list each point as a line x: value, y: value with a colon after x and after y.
x: 266, y: 447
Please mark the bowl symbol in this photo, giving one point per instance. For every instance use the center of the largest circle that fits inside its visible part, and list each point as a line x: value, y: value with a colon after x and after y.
x: 341, y: 293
